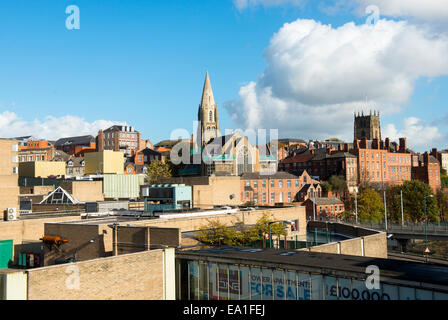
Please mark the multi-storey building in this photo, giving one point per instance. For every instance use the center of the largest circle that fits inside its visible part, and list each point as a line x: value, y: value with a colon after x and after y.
x: 324, y: 207
x: 426, y: 168
x: 76, y: 146
x: 382, y: 163
x: 281, y: 187
x: 321, y: 164
x: 120, y: 138
x: 442, y: 156
x: 9, y: 189
x: 36, y: 150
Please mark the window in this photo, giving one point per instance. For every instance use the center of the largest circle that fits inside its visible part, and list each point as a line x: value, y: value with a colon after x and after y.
x: 280, y: 183
x: 255, y: 184
x: 15, y: 158
x: 297, y: 183
x: 210, y: 116
x: 264, y: 183
x: 272, y: 183
x: 272, y: 197
x: 255, y: 196
x: 247, y: 195
x: 247, y: 183
x: 289, y: 183
x: 280, y: 197
x: 289, y: 196
x: 264, y: 197
x: 15, y: 147
x: 15, y: 170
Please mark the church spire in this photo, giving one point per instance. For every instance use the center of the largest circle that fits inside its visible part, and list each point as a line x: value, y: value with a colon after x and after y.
x: 207, y: 94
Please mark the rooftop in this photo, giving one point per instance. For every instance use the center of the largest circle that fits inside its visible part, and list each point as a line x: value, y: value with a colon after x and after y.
x: 390, y: 268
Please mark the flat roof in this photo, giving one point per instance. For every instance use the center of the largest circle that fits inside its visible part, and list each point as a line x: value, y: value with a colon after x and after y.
x: 325, y: 263
x: 101, y: 221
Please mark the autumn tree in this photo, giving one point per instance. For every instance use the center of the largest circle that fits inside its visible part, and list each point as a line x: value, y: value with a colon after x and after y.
x: 370, y: 205
x: 215, y: 232
x: 157, y: 170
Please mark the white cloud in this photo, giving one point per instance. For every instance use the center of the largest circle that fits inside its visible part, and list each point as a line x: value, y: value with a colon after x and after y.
x: 244, y: 4
x: 316, y: 76
x: 420, y: 136
x: 426, y: 10
x: 52, y: 128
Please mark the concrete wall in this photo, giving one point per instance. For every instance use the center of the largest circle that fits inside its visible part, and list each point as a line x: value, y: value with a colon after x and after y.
x: 85, y: 191
x: 247, y: 217
x: 79, y: 243
x: 104, y: 162
x: 36, y: 190
x: 21, y: 231
x: 147, y: 275
x: 211, y: 191
x: 132, y: 239
x: 42, y: 169
x: 368, y: 243
x: 9, y: 189
x: 164, y: 237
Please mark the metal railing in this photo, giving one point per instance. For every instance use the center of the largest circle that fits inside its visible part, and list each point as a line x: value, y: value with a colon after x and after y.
x: 411, y: 227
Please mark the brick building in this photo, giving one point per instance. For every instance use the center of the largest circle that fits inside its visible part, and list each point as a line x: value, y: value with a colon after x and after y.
x: 281, y: 187
x: 36, y: 150
x: 441, y: 156
x: 120, y: 138
x: 382, y: 162
x: 324, y: 207
x: 76, y: 146
x: 324, y: 163
x: 426, y: 168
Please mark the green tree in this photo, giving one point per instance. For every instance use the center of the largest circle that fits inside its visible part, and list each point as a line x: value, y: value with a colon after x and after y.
x: 414, y: 193
x: 370, y: 206
x: 442, y: 203
x: 157, y: 170
x: 337, y: 184
x: 215, y: 232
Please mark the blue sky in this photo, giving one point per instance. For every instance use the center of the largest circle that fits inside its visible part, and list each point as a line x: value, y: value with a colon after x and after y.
x: 144, y: 63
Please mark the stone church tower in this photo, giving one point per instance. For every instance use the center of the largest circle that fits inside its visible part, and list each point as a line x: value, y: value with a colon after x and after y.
x: 207, y: 115
x: 368, y: 126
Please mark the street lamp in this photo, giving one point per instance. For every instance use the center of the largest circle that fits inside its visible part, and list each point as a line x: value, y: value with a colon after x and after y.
x: 269, y: 225
x: 426, y: 226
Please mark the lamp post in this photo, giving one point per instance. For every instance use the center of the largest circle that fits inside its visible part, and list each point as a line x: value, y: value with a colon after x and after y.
x: 356, y: 205
x: 269, y: 225
x: 402, y: 213
x: 426, y: 226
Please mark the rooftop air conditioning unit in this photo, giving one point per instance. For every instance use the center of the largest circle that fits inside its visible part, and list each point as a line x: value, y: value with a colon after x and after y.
x: 11, y: 214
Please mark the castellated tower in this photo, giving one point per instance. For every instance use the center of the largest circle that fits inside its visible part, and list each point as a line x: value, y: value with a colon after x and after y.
x: 208, y: 115
x: 367, y: 126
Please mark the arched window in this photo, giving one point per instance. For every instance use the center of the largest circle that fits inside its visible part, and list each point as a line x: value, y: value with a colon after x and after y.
x: 210, y: 116
x: 244, y: 161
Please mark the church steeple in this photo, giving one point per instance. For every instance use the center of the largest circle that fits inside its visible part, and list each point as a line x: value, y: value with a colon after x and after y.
x: 207, y: 94
x: 208, y: 114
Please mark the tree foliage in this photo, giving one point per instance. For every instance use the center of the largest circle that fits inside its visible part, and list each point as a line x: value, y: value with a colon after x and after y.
x: 370, y: 205
x: 414, y: 193
x: 157, y: 170
x: 215, y: 232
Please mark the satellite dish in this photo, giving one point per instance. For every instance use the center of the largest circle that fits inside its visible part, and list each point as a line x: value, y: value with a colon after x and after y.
x: 232, y: 196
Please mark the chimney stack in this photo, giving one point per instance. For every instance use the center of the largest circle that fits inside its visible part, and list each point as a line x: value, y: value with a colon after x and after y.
x: 346, y: 147
x: 426, y: 159
x: 364, y: 143
x: 403, y: 145
x: 387, y: 144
